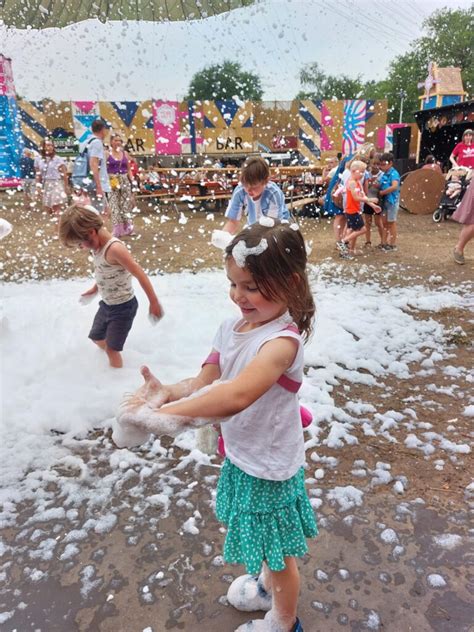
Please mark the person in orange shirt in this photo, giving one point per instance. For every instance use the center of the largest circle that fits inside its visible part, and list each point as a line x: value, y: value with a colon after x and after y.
x: 355, y: 195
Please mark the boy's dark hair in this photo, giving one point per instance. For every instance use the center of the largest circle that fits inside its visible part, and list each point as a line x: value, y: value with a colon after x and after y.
x: 280, y: 270
x: 430, y: 159
x: 97, y: 126
x: 388, y: 157
x: 255, y: 170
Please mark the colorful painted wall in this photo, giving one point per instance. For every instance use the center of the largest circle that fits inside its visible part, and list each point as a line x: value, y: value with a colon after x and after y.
x: 317, y: 129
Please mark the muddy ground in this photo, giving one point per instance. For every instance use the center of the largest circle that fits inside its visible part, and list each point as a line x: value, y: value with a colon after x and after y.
x: 149, y: 573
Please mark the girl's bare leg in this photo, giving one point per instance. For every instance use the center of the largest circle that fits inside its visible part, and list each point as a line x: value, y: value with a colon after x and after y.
x: 466, y: 234
x: 115, y: 358
x: 368, y: 226
x: 392, y: 233
x: 379, y: 224
x: 338, y: 226
x: 285, y: 590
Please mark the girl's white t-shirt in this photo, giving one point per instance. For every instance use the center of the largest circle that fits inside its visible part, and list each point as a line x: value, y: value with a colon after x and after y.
x: 266, y: 439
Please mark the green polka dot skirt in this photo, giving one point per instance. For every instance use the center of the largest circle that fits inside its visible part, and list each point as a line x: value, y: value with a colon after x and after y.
x: 265, y: 520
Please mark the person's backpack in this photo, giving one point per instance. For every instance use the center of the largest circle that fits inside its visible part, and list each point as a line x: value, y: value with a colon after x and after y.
x: 81, y: 177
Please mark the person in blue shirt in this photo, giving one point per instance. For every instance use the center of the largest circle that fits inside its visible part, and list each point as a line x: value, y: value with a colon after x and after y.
x: 255, y: 196
x: 389, y: 193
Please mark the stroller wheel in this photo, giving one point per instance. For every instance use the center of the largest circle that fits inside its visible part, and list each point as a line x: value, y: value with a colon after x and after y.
x: 437, y: 215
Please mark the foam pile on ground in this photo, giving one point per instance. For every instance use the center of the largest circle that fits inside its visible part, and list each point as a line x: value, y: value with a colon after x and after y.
x: 59, y: 381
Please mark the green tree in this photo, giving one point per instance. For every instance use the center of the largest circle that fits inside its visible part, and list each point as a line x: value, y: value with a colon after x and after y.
x: 448, y: 42
x: 224, y: 81
x: 318, y: 85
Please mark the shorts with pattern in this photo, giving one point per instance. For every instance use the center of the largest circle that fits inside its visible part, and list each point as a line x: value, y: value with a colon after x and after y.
x: 112, y: 323
x: 266, y: 520
x: 354, y: 221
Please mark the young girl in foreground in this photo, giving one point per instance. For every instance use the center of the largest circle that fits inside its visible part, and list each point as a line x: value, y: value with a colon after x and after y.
x: 259, y: 361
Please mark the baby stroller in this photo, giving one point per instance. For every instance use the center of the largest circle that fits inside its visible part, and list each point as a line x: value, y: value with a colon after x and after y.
x: 456, y: 185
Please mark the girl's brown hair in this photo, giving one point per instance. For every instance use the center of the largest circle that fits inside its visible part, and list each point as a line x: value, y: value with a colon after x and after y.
x: 75, y: 224
x: 43, y: 147
x: 280, y: 271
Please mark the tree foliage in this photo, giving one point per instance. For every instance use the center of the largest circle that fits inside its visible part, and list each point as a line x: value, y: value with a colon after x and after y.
x: 319, y: 85
x: 448, y: 41
x: 224, y: 81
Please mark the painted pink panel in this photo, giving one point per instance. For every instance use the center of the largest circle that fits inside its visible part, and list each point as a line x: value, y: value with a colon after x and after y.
x: 85, y: 106
x: 166, y: 117
x: 326, y: 121
x: 7, y: 86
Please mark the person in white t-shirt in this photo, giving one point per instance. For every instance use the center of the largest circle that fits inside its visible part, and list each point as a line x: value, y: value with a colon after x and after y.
x: 98, y: 167
x: 257, y: 362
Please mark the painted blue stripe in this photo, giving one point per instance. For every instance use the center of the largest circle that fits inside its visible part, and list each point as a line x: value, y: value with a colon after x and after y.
x: 309, y: 118
x: 207, y: 123
x: 309, y: 144
x: 192, y: 126
x: 35, y: 126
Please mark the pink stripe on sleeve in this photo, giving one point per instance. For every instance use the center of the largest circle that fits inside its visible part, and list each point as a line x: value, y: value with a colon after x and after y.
x: 288, y: 384
x: 212, y: 358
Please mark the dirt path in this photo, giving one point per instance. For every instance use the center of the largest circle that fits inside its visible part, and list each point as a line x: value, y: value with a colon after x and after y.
x: 168, y: 240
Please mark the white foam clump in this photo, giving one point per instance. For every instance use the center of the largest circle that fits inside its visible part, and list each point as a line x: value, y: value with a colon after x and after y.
x: 241, y: 251
x: 221, y: 239
x: 346, y: 497
x: 448, y: 540
x: 155, y: 319
x: 269, y: 222
x: 5, y: 228
x: 134, y: 428
x: 85, y: 299
x: 389, y: 536
x: 436, y: 581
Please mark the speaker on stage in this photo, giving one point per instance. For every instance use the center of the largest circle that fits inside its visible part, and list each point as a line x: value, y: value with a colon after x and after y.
x: 401, y: 143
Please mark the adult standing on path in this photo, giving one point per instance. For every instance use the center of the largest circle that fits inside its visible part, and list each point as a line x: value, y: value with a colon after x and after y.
x: 98, y: 166
x: 120, y: 178
x: 51, y: 177
x: 464, y: 214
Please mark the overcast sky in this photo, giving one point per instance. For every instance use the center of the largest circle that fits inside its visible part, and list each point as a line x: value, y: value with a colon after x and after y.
x: 273, y: 38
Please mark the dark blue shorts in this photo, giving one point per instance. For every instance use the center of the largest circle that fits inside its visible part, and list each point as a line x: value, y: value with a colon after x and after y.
x: 354, y: 221
x: 113, y: 322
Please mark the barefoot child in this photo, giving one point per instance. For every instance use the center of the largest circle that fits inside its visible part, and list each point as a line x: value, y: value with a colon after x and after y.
x: 354, y: 197
x: 113, y: 269
x: 258, y: 360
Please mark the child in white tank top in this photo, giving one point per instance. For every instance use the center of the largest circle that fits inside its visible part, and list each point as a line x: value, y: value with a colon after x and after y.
x: 114, y: 267
x: 257, y: 363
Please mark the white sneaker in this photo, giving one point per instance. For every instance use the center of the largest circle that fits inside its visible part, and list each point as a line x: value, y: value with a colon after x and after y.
x: 247, y: 594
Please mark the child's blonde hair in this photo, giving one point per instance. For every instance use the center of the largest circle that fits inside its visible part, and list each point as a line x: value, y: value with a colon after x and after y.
x: 254, y: 171
x: 358, y: 165
x: 280, y: 270
x: 76, y: 222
